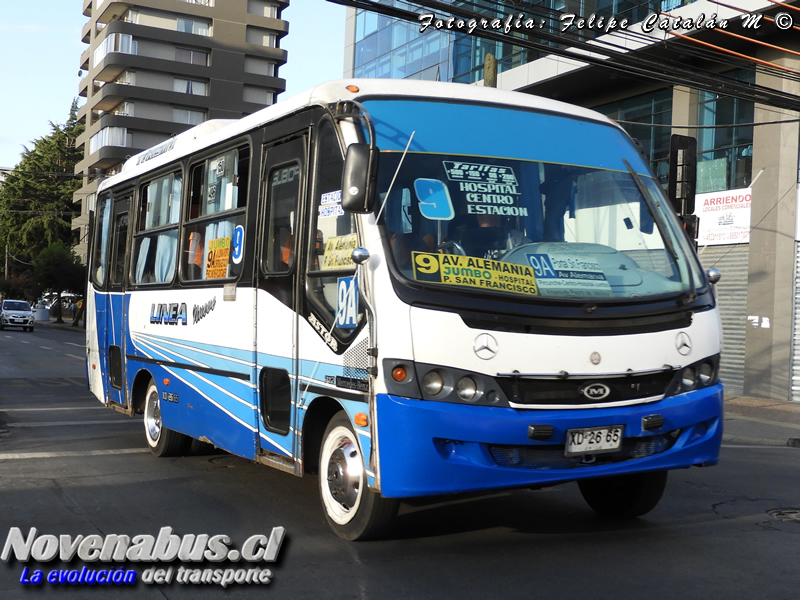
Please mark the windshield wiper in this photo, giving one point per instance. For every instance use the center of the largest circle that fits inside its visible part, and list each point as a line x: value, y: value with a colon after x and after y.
x: 656, y: 216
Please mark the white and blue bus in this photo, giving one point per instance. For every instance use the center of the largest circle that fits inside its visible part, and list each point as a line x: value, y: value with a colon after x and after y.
x: 410, y: 289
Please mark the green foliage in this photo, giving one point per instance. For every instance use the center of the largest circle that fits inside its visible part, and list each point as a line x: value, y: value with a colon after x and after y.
x: 36, y: 207
x: 22, y: 287
x: 57, y: 268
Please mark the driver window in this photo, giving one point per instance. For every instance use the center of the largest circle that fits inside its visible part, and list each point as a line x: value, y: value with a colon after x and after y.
x: 333, y: 230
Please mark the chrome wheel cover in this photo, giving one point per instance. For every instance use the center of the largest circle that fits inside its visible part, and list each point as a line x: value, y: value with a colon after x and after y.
x: 342, y: 486
x: 152, y: 417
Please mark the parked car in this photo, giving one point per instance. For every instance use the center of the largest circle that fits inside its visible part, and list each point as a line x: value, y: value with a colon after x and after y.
x: 16, y: 313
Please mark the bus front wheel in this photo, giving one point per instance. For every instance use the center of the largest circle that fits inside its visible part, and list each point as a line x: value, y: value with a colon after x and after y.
x: 353, y: 511
x: 162, y: 441
x: 624, y: 496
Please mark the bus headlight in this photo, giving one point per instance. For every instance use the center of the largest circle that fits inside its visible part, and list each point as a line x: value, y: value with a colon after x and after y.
x: 701, y: 374
x: 432, y: 383
x: 706, y: 373
x: 439, y: 383
x: 688, y: 378
x: 466, y: 389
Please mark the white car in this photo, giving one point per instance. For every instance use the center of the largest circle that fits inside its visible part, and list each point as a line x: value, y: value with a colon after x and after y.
x: 16, y: 313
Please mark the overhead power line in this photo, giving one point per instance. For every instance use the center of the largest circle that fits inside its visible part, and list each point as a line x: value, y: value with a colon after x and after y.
x: 65, y: 175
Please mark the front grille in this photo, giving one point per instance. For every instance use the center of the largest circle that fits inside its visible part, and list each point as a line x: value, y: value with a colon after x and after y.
x: 579, y: 327
x: 552, y: 456
x: 568, y: 391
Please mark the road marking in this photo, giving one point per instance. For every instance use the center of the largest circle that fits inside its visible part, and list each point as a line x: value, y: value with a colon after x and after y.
x: 62, y: 423
x: 45, y: 348
x: 78, y: 345
x: 49, y: 409
x: 24, y: 455
x: 78, y: 357
x: 24, y: 342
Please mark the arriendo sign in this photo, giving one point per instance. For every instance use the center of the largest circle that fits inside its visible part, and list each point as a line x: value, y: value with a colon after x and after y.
x: 724, y: 217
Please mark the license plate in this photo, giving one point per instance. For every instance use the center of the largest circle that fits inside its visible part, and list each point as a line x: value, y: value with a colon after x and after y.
x: 593, y: 440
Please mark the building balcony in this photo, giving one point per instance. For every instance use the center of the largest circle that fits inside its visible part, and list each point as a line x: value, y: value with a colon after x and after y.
x: 109, y: 10
x: 111, y: 94
x: 132, y: 124
x: 87, y: 8
x: 85, y: 59
x: 106, y: 157
x: 83, y: 87
x: 86, y: 33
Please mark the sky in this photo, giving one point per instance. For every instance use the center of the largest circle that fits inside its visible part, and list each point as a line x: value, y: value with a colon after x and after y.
x: 40, y: 43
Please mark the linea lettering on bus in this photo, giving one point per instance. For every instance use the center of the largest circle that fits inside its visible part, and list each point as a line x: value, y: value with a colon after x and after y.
x: 168, y: 314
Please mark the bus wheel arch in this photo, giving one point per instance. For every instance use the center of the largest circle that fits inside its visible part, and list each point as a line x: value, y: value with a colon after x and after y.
x: 318, y: 414
x: 139, y: 390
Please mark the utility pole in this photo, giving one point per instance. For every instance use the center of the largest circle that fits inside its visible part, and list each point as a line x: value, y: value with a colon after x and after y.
x: 5, y: 273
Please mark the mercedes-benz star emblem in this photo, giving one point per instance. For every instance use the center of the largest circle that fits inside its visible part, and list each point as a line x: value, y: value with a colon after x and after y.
x: 683, y: 343
x: 485, y: 346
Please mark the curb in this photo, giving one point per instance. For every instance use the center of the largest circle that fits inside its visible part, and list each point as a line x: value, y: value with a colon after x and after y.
x: 66, y: 325
x: 744, y: 440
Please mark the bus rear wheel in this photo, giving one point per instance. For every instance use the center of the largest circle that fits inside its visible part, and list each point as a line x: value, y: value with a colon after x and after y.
x: 353, y: 511
x: 624, y: 496
x: 162, y: 441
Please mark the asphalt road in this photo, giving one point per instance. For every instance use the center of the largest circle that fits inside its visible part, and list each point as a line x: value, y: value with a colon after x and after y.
x: 69, y: 467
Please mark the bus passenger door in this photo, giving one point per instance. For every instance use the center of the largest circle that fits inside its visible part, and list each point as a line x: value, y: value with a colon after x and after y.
x: 281, y: 199
x: 117, y: 309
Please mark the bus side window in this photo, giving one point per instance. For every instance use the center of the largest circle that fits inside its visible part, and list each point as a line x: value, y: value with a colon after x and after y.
x: 156, y: 240
x: 336, y: 235
x: 118, y: 249
x: 100, y: 257
x: 282, y: 198
x: 218, y: 195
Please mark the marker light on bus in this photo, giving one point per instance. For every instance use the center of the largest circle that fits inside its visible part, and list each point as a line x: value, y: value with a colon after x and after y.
x: 399, y: 373
x: 352, y: 88
x: 361, y: 420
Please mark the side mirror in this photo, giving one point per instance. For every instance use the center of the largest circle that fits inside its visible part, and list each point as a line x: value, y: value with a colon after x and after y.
x: 358, y: 178
x: 713, y: 275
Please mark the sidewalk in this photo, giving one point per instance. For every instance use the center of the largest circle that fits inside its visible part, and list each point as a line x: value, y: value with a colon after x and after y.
x: 762, y: 422
x: 67, y: 324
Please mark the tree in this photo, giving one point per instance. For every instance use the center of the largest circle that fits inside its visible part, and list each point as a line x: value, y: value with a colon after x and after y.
x: 57, y: 268
x: 36, y: 207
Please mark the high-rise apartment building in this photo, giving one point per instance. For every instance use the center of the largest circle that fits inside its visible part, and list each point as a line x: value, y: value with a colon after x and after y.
x: 155, y: 68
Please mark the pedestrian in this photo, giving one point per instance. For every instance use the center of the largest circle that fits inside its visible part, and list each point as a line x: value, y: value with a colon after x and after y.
x: 78, y: 313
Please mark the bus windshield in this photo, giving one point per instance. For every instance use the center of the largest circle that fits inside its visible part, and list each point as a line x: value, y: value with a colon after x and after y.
x: 507, y: 201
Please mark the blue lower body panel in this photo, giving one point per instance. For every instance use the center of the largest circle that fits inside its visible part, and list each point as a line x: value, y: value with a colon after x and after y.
x: 429, y: 448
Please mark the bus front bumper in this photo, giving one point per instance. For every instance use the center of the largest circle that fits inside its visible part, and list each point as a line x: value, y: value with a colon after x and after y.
x: 429, y: 448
